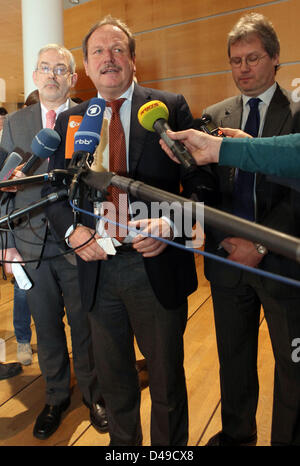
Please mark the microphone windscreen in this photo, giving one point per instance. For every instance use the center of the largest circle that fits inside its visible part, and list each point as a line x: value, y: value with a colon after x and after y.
x: 45, y: 143
x: 152, y: 111
x: 11, y: 163
x: 88, y: 135
x: 73, y: 126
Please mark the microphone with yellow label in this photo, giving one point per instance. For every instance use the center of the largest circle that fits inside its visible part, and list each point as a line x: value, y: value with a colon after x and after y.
x: 153, y: 116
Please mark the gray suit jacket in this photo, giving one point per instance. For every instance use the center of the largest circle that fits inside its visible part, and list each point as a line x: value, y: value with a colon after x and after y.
x: 29, y: 233
x: 273, y: 201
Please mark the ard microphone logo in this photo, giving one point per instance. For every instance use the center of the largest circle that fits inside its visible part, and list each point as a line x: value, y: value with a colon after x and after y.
x: 94, y: 110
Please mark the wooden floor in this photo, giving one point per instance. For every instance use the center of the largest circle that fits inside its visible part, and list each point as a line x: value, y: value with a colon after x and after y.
x: 22, y: 397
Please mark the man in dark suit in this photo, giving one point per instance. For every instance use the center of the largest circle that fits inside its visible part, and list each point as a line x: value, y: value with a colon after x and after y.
x: 253, y: 50
x: 141, y: 290
x: 55, y: 281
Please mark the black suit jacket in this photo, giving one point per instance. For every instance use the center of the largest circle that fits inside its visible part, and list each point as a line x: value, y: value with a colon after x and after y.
x: 274, y: 207
x: 172, y: 274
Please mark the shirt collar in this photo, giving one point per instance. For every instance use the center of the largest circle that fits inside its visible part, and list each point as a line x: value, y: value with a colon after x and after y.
x: 126, y: 95
x: 58, y: 110
x: 265, y: 97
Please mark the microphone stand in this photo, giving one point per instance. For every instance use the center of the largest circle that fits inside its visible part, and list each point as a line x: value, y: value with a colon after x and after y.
x: 276, y: 241
x: 43, y: 202
x: 55, y: 177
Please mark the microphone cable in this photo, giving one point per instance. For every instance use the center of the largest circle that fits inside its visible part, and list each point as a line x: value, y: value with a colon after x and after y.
x: 264, y: 273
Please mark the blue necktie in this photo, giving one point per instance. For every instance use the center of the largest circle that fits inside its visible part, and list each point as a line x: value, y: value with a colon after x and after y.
x: 244, y: 183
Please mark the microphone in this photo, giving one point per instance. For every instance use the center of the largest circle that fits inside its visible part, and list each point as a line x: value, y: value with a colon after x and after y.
x: 208, y: 126
x: 43, y: 145
x: 73, y: 126
x: 87, y: 138
x: 11, y: 163
x: 153, y: 116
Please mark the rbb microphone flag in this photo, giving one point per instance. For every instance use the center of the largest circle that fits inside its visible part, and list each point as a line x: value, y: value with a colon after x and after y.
x: 87, y: 137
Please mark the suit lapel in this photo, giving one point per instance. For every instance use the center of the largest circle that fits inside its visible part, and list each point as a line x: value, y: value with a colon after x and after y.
x: 278, y: 112
x: 35, y: 122
x: 140, y: 96
x: 232, y: 114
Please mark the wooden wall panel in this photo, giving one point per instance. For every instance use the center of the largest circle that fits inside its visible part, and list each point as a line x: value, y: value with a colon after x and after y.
x: 182, y: 47
x: 78, y: 20
x: 141, y: 15
x: 201, y: 46
x: 203, y: 91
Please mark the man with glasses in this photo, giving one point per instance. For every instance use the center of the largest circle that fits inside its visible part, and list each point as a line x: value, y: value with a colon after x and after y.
x: 262, y: 109
x: 55, y: 281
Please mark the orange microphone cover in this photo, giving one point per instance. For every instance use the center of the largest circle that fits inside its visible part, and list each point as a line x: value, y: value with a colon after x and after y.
x: 73, y: 126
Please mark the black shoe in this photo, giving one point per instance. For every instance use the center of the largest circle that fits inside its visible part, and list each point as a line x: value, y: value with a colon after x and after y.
x: 49, y: 419
x: 98, y: 415
x: 224, y: 440
x: 9, y: 370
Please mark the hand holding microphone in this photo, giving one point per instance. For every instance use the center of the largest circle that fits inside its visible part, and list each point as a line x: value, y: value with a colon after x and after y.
x: 153, y: 116
x: 43, y: 145
x: 204, y: 147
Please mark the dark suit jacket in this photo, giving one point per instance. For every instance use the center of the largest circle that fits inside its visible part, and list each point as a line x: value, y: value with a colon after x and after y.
x: 172, y: 274
x: 274, y: 208
x: 19, y: 130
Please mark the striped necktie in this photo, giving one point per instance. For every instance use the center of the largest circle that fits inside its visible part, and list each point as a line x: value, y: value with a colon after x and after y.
x: 117, y: 164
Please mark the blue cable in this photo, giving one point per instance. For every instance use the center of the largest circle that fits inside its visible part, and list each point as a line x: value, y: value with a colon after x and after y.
x: 286, y: 280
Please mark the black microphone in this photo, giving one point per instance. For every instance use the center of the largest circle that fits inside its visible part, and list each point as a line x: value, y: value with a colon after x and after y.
x: 206, y: 125
x: 43, y: 145
x: 153, y: 116
x: 86, y: 139
x: 11, y: 163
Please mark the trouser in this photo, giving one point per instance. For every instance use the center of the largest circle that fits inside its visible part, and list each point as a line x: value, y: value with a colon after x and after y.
x: 22, y: 317
x: 55, y: 286
x: 237, y: 312
x: 126, y: 306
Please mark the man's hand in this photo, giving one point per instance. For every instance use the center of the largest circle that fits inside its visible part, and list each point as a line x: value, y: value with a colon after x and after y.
x: 147, y: 246
x: 203, y: 147
x: 9, y: 255
x: 90, y: 251
x: 16, y: 175
x: 242, y: 251
x: 235, y: 133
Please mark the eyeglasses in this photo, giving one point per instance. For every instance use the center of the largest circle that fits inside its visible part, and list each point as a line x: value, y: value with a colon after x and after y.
x: 250, y: 60
x: 58, y: 70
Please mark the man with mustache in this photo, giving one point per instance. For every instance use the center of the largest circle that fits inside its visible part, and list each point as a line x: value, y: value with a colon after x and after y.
x: 141, y: 290
x: 55, y: 281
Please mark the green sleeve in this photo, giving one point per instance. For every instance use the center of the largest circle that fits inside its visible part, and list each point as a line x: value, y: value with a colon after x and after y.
x: 278, y: 155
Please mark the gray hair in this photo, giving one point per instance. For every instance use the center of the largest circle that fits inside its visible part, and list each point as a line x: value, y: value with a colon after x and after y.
x: 114, y: 22
x: 255, y: 23
x: 61, y: 50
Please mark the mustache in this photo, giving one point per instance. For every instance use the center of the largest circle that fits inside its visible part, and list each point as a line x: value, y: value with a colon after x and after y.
x: 52, y: 82
x: 110, y: 67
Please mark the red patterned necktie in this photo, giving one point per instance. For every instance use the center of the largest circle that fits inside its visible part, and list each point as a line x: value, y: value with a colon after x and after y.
x: 50, y: 119
x: 117, y: 164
